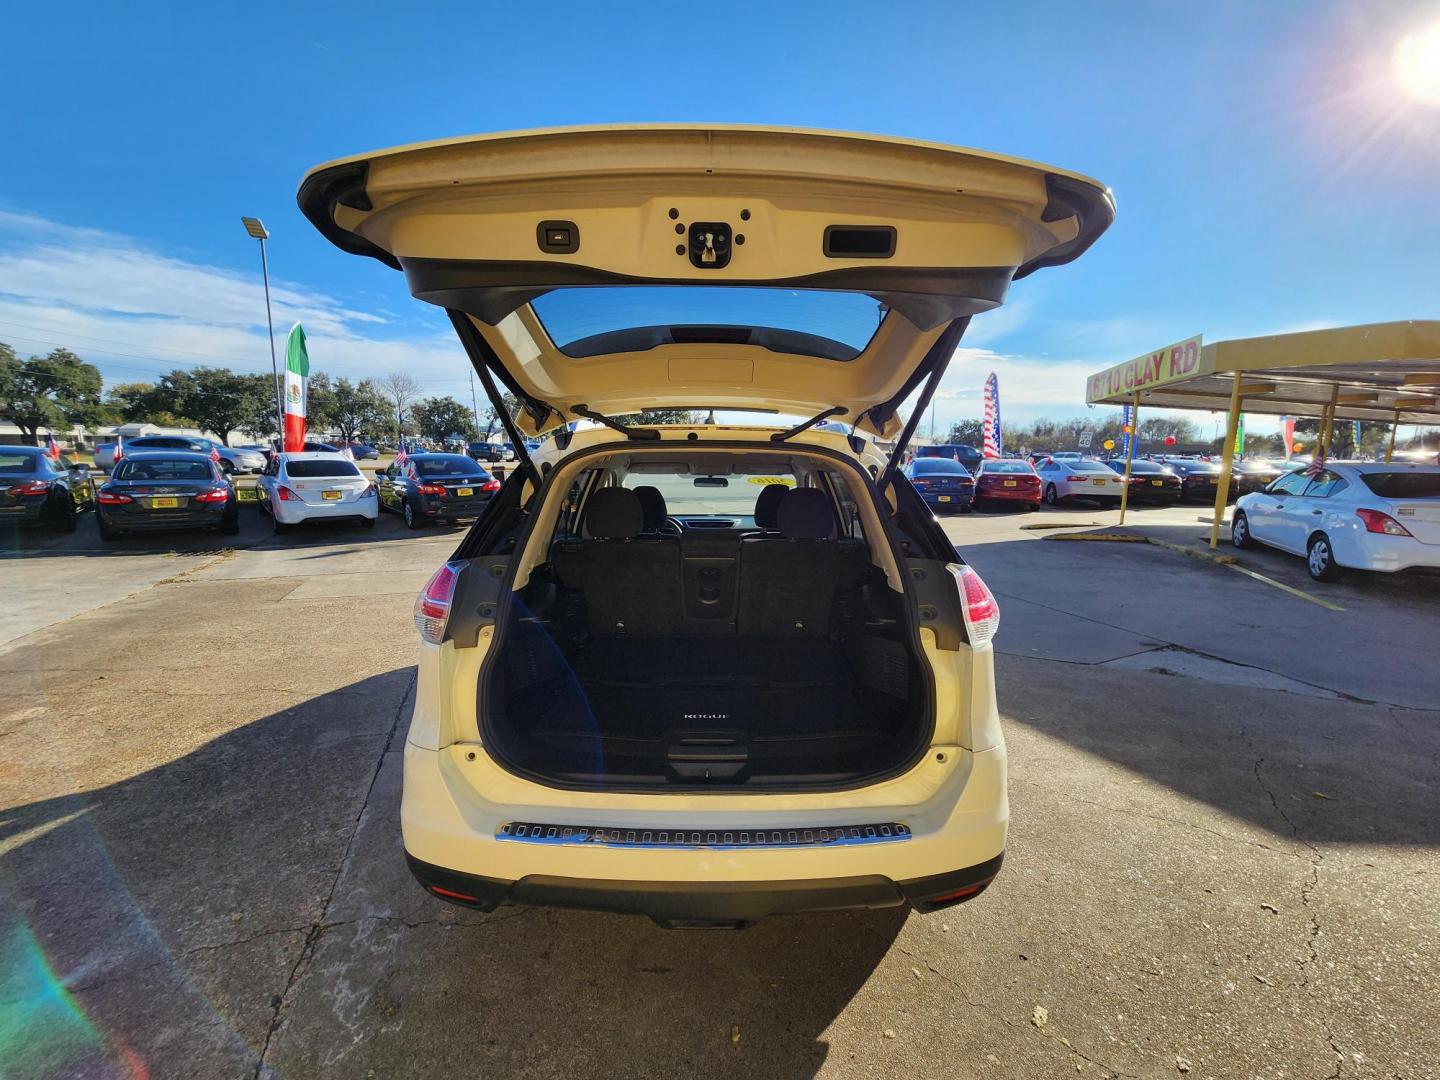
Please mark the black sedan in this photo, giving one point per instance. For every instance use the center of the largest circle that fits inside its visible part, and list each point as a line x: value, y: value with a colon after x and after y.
x: 435, y: 487
x: 37, y: 489
x: 1150, y: 481
x: 1198, y: 479
x: 167, y: 489
x: 1255, y: 475
x: 484, y: 451
x: 943, y: 482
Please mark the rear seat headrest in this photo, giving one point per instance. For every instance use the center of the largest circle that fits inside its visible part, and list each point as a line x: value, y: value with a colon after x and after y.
x: 767, y: 505
x: 806, y: 514
x: 614, y: 514
x: 652, y: 506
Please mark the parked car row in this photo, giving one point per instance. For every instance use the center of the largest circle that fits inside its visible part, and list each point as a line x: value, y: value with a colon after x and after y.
x: 231, y: 459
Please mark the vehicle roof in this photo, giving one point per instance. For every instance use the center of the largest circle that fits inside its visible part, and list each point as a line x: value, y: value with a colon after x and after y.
x: 313, y: 455
x: 1383, y: 467
x: 156, y: 455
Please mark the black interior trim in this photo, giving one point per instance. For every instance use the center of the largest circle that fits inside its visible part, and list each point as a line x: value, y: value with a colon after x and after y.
x: 1094, y: 207
x: 341, y: 185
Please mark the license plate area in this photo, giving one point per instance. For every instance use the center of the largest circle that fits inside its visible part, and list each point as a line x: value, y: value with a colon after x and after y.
x: 164, y: 502
x: 944, y: 498
x: 331, y: 496
x: 1012, y: 483
x: 464, y: 492
x: 1101, y: 482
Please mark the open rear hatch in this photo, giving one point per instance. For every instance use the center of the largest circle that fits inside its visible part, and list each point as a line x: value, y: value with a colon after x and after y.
x: 610, y: 270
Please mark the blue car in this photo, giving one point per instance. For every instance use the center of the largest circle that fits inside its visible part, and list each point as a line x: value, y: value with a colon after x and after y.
x: 944, y: 483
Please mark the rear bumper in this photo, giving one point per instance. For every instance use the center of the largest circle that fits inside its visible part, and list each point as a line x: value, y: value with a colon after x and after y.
x: 1023, y: 495
x: 701, y: 904
x: 955, y: 499
x: 27, y: 509
x: 163, y: 521
x: 1385, y: 554
x: 292, y: 512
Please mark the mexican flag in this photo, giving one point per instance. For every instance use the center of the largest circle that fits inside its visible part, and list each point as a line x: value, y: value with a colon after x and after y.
x: 297, y: 374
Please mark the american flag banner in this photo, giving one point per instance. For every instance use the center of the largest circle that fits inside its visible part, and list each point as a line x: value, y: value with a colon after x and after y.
x: 1316, y: 467
x: 993, y: 436
x: 52, y: 448
x: 403, y: 455
x: 1127, y: 420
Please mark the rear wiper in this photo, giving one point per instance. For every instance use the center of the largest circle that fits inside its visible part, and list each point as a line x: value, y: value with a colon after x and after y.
x: 637, y: 434
x: 834, y: 410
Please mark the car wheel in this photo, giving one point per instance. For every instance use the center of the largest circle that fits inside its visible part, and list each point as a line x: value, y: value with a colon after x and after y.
x: 107, y: 534
x: 278, y: 525
x: 227, y: 467
x: 1033, y: 507
x: 1320, y: 559
x: 368, y: 523
x: 1052, y: 497
x: 412, y: 520
x: 231, y: 525
x: 1240, y: 531
x: 66, y: 516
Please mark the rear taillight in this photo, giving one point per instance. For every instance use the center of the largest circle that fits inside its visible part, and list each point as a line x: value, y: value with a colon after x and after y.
x: 1376, y: 522
x: 214, y: 495
x: 432, y: 606
x: 369, y: 491
x: 490, y: 485
x: 112, y: 498
x: 920, y: 483
x: 32, y: 487
x: 431, y: 489
x: 284, y: 494
x: 982, y: 613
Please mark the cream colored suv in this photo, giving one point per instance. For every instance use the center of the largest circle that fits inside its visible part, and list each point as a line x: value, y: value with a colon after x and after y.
x: 706, y: 668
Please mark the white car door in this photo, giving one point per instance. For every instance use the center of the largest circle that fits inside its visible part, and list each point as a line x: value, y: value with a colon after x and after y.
x: 1300, y: 515
x: 1265, y: 511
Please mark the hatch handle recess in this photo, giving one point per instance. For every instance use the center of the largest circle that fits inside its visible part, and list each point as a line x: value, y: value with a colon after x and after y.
x: 634, y: 433
x: 834, y: 410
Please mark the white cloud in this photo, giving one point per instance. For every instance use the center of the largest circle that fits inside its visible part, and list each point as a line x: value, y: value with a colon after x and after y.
x: 136, y: 312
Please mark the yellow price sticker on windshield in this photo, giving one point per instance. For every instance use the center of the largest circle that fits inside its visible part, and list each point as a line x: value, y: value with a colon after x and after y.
x: 763, y: 480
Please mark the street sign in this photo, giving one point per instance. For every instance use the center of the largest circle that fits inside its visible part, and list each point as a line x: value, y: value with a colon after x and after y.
x: 1085, y: 439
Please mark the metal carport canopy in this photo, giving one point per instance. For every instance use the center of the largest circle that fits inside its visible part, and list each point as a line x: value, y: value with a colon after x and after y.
x: 1385, y: 372
x: 1388, y: 372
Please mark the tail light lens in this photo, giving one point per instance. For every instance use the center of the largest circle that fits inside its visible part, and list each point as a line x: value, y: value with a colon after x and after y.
x: 112, y: 498
x: 982, y: 612
x: 369, y: 491
x: 214, y: 495
x: 920, y: 483
x: 490, y: 485
x: 431, y: 489
x: 284, y: 494
x: 1376, y: 522
x: 32, y: 487
x: 432, y: 606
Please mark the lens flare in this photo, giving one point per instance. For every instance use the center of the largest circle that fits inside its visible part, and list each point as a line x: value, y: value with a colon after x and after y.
x: 1416, y: 64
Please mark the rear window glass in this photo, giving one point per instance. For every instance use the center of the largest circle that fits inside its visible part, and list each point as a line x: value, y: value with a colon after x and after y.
x: 167, y: 444
x: 313, y: 467
x: 164, y: 469
x: 931, y: 466
x: 682, y: 495
x: 1087, y: 466
x: 1403, y: 485
x: 449, y: 465
x: 17, y: 463
x: 1007, y: 467
x: 708, y: 313
x: 1149, y: 468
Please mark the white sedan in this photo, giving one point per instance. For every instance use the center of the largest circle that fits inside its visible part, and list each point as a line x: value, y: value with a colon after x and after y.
x: 1361, y: 515
x: 300, y: 487
x: 1075, y: 479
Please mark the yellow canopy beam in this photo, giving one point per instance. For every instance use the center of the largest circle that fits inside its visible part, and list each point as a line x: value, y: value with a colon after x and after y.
x: 1232, y: 426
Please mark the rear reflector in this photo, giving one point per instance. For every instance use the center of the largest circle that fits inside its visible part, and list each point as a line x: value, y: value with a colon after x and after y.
x: 285, y: 494
x: 450, y: 894
x: 32, y: 487
x: 958, y: 894
x: 432, y: 606
x: 982, y: 612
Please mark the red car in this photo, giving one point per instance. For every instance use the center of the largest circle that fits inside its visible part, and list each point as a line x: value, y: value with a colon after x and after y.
x: 1007, y: 480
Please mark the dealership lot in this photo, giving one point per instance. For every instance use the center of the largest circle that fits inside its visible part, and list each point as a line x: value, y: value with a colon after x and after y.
x: 1222, y: 858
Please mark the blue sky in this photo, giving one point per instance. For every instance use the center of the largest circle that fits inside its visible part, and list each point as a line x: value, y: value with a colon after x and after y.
x: 1270, y: 174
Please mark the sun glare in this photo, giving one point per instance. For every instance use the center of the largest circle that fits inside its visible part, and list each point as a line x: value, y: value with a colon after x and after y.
x: 1416, y: 64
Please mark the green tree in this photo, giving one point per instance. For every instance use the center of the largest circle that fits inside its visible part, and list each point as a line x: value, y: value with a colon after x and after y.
x: 52, y: 391
x: 358, y: 407
x: 218, y: 400
x: 142, y: 403
x: 968, y: 432
x: 657, y: 416
x: 492, y: 418
x: 440, y: 417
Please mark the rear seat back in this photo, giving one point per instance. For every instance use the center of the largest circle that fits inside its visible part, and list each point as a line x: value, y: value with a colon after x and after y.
x: 789, y: 583
x: 630, y: 582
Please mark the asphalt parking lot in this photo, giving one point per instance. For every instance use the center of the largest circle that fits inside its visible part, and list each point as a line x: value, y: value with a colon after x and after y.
x: 1225, y: 800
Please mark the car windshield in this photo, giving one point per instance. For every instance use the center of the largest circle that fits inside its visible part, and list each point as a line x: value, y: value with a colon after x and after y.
x: 447, y: 465
x: 946, y: 466
x: 163, y: 469
x: 1403, y: 485
x: 14, y: 463
x: 635, y: 317
x: 684, y: 496
x: 1007, y: 467
x: 315, y: 467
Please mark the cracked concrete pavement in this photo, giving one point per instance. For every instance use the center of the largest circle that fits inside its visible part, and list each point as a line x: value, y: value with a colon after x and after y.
x: 1223, y: 848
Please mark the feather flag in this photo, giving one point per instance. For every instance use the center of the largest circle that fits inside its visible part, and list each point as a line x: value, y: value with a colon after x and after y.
x: 297, y: 375
x: 993, y: 434
x: 1127, y: 422
x: 52, y: 448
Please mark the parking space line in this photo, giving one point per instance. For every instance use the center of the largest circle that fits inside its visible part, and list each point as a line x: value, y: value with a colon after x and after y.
x: 1301, y: 593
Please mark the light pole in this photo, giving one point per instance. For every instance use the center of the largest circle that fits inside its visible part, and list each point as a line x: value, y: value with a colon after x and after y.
x: 257, y: 231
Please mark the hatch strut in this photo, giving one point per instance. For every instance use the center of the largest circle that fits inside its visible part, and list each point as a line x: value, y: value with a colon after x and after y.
x: 480, y: 354
x: 834, y: 410
x: 937, y: 360
x: 638, y: 434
